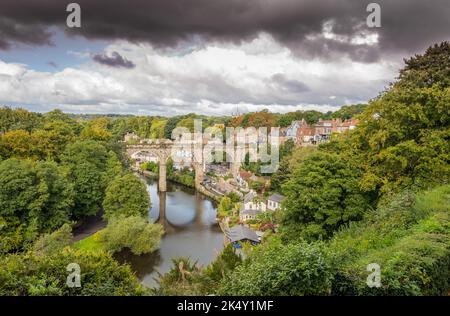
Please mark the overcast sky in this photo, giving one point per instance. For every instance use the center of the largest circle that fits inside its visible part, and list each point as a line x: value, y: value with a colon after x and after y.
x: 170, y: 57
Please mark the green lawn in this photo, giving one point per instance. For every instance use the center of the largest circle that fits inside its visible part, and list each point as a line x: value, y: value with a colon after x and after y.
x: 92, y: 242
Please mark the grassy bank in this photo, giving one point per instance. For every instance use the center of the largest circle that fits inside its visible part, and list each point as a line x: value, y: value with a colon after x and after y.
x: 92, y: 243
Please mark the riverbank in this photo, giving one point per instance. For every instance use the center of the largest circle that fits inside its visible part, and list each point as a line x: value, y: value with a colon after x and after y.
x: 191, y: 184
x: 189, y: 220
x: 88, y: 226
x: 209, y: 194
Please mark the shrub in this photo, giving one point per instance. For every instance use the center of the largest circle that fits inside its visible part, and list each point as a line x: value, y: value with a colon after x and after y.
x: 276, y: 269
x: 409, y: 238
x: 132, y: 232
x: 32, y: 274
x: 56, y: 241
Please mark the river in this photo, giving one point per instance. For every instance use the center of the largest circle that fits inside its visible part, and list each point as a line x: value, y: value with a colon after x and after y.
x: 191, y: 230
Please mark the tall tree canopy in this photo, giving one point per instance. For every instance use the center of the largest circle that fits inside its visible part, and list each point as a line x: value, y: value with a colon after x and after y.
x: 126, y: 196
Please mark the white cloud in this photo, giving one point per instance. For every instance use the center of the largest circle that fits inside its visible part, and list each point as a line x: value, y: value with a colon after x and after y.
x: 213, y: 79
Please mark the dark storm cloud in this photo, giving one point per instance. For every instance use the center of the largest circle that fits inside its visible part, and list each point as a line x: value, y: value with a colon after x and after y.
x: 12, y: 31
x: 407, y: 25
x: 115, y: 60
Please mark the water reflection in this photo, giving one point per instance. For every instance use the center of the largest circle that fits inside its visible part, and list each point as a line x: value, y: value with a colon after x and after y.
x: 191, y: 230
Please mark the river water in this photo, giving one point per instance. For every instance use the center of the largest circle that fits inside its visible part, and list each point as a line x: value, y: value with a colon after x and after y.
x: 191, y: 230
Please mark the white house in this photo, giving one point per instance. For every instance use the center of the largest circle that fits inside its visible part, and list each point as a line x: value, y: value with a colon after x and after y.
x: 291, y: 131
x: 274, y: 202
x: 251, y: 207
x: 246, y: 215
x: 130, y: 136
x: 252, y: 202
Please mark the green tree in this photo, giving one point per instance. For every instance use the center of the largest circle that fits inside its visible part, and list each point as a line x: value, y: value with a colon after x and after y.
x: 48, y: 244
x: 53, y: 138
x: 134, y: 233
x: 126, y: 195
x: 188, y: 123
x: 36, y: 274
x: 113, y: 167
x: 56, y: 200
x: 225, y: 206
x: 86, y: 162
x: 323, y: 194
x: 19, y: 119
x: 404, y: 133
x: 97, y: 130
x: 157, y: 129
x: 18, y: 144
x: 170, y: 126
x: 293, y: 269
x: 34, y: 198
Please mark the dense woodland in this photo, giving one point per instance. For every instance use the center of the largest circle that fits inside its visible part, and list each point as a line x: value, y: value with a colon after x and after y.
x: 377, y: 194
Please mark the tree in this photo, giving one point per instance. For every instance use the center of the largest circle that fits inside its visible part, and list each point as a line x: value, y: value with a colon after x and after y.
x: 323, y: 194
x: 428, y: 69
x: 234, y: 197
x: 19, y: 119
x: 187, y: 122
x: 126, y: 196
x: 18, y: 144
x: 280, y: 176
x: 53, y: 138
x: 276, y: 269
x: 85, y: 163
x: 57, y: 197
x: 349, y: 111
x: 133, y: 232
x: 48, y: 244
x: 97, y: 130
x: 58, y: 116
x: 88, y: 151
x: 37, y: 274
x: 170, y: 126
x: 157, y: 129
x: 34, y: 198
x: 398, y: 134
x: 113, y: 167
x: 225, y: 206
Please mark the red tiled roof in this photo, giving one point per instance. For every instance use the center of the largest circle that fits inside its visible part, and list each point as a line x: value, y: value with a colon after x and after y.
x: 245, y: 174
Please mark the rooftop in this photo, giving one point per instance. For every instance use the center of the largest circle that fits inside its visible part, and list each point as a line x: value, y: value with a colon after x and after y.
x: 244, y: 211
x: 276, y: 197
x: 249, y: 196
x: 241, y: 232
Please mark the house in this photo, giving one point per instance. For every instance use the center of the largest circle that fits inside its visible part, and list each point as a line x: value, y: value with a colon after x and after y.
x: 305, y: 134
x: 130, y: 136
x: 248, y: 215
x: 324, y: 128
x: 349, y: 124
x: 274, y: 202
x: 240, y: 233
x: 253, y: 202
x: 291, y: 131
x: 251, y: 207
x: 242, y: 179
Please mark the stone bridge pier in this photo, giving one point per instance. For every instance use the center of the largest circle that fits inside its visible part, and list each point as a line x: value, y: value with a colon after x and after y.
x: 162, y: 181
x: 198, y: 168
x: 162, y: 149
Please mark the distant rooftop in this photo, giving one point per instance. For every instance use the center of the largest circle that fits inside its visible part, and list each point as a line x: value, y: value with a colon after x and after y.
x: 276, y: 197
